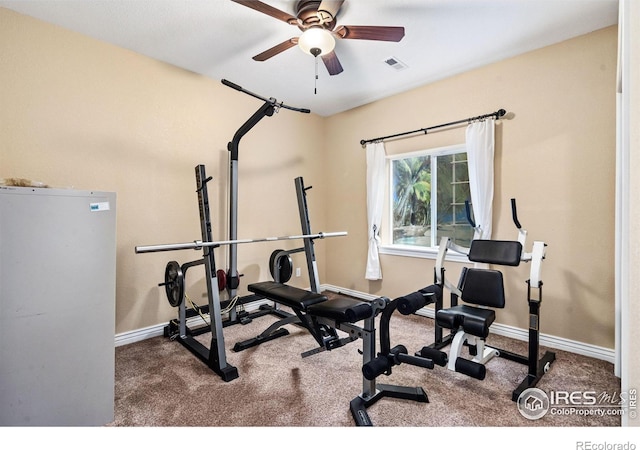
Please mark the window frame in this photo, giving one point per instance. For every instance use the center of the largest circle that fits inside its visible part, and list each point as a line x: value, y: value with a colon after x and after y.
x: 414, y: 251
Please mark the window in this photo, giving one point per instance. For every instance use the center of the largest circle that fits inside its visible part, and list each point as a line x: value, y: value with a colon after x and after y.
x: 427, y: 198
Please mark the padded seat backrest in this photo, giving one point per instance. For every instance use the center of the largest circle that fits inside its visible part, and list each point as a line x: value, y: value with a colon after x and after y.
x: 482, y: 287
x: 504, y: 253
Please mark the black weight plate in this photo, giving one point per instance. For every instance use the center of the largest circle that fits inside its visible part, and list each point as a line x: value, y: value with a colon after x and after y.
x: 284, y: 267
x: 233, y: 282
x: 174, y: 283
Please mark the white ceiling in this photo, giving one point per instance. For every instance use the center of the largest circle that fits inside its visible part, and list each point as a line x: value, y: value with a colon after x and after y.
x: 218, y: 38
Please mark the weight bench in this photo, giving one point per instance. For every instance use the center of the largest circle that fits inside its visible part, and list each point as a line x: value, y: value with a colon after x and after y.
x: 315, y: 312
x: 323, y: 316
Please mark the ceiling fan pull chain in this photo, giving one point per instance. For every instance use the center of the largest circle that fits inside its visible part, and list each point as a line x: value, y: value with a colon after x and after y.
x: 315, y: 82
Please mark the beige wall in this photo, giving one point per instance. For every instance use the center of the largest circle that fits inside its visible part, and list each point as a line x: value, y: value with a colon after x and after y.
x: 80, y: 113
x: 555, y: 154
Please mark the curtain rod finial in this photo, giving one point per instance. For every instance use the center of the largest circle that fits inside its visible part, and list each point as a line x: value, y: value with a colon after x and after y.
x: 501, y: 112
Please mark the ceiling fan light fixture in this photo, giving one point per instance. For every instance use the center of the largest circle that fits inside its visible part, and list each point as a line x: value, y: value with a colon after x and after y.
x: 316, y: 41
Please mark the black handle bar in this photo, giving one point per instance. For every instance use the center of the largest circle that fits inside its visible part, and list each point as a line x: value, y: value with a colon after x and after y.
x: 514, y: 214
x: 272, y: 100
x: 468, y: 211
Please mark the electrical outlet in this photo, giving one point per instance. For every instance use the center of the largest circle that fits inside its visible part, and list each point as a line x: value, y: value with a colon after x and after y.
x: 297, y: 271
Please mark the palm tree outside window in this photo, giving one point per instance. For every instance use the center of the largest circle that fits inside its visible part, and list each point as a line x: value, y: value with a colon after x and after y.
x: 428, y: 192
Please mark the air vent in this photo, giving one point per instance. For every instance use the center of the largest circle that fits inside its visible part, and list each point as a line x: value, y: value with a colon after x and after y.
x: 395, y: 63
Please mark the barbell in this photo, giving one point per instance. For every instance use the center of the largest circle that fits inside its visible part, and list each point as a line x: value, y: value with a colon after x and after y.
x: 174, y: 276
x: 197, y: 245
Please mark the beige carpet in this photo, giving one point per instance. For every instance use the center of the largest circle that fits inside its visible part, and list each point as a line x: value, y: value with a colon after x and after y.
x: 160, y: 383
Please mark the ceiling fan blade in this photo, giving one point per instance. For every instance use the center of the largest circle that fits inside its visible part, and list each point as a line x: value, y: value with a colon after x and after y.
x: 372, y: 33
x: 268, y: 10
x: 273, y: 51
x: 332, y: 63
x: 329, y: 7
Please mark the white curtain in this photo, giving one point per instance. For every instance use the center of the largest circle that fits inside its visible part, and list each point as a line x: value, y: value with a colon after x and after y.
x: 375, y: 202
x: 480, y: 149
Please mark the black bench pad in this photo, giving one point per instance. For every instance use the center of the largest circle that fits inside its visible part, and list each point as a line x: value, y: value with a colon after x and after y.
x: 506, y: 253
x: 342, y: 309
x: 293, y: 297
x: 475, y: 321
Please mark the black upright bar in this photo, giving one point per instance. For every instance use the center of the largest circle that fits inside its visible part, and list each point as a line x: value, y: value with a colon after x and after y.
x: 266, y: 110
x: 305, y: 222
x: 215, y: 355
x: 497, y: 114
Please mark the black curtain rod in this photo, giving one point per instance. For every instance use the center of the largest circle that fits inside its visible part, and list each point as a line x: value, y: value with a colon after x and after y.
x: 497, y: 114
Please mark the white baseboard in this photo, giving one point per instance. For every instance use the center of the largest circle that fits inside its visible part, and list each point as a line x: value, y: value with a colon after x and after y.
x: 546, y: 340
x: 129, y: 337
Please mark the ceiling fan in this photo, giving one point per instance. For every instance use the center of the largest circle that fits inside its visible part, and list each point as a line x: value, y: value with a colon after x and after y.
x: 317, y: 21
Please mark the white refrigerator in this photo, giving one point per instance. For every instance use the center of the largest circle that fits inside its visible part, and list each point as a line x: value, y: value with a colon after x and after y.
x: 57, y: 307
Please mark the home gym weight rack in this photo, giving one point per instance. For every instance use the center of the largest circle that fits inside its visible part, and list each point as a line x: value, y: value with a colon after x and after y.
x: 215, y: 355
x: 220, y: 279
